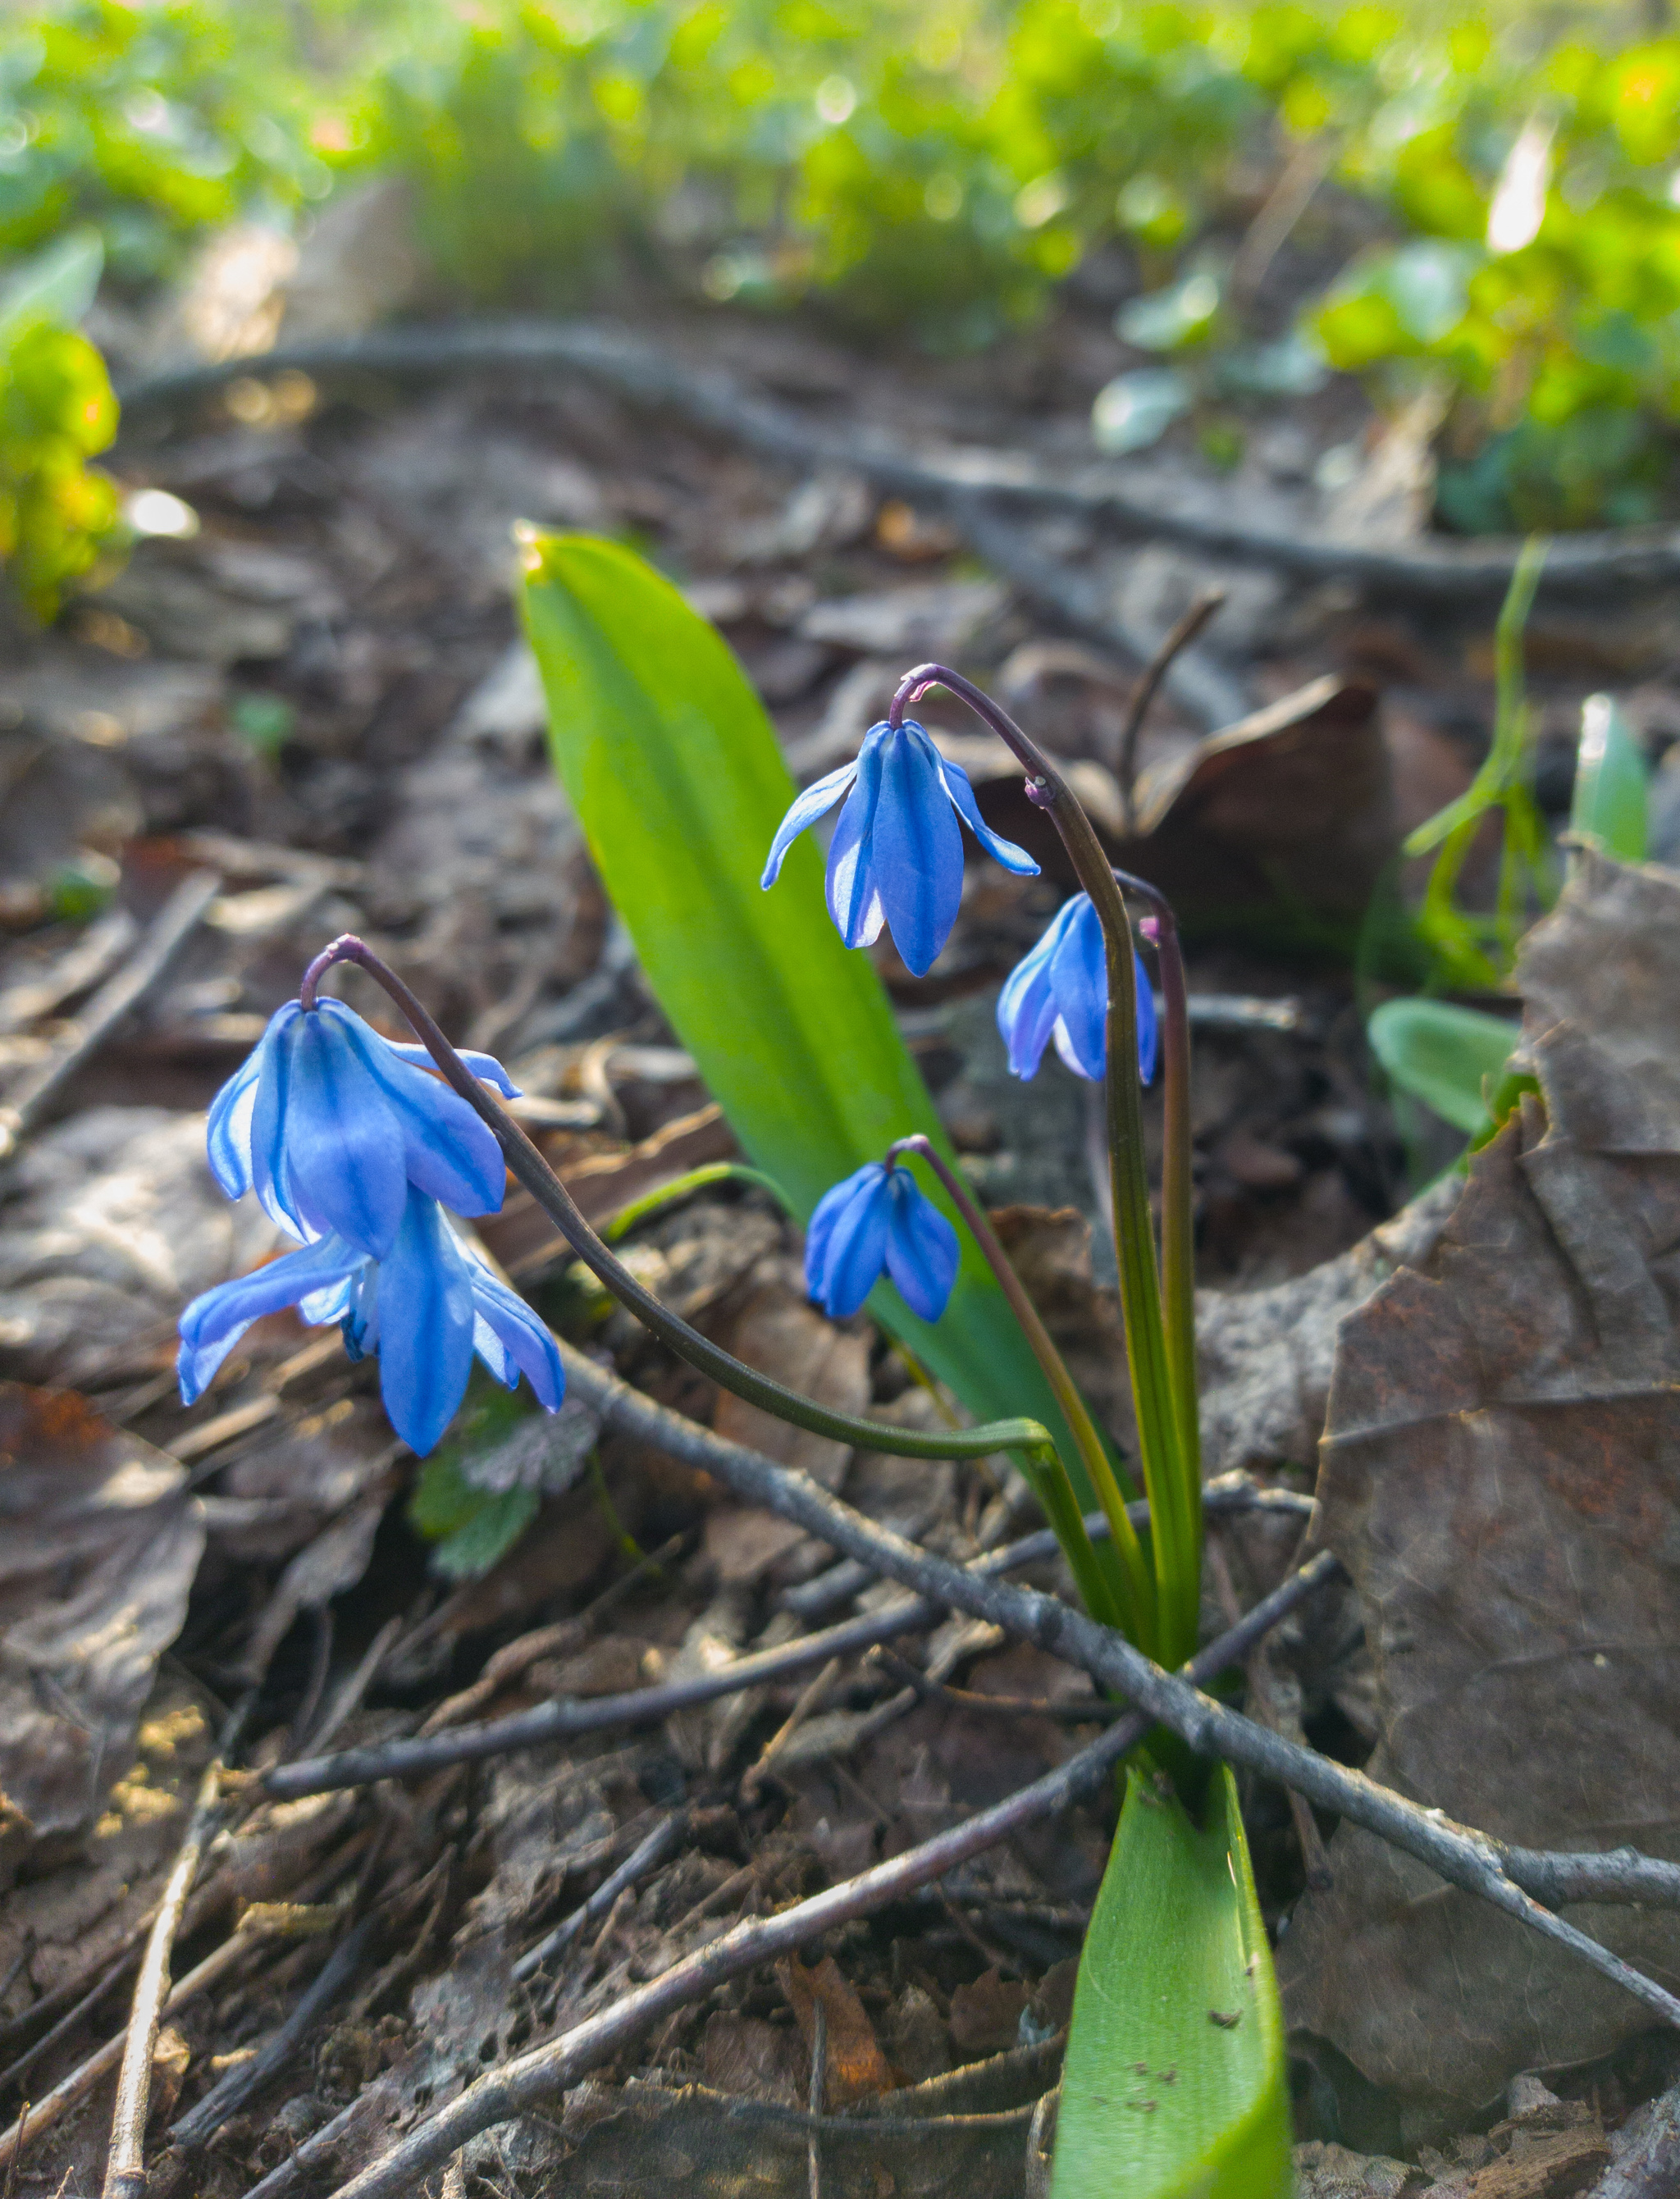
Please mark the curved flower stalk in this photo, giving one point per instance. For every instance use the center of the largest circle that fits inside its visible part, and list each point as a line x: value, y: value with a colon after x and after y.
x: 878, y: 1221
x: 425, y: 1308
x: 1058, y: 991
x: 896, y: 857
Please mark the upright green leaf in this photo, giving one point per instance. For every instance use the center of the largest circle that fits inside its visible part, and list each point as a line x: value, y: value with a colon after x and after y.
x: 1175, y: 2084
x: 1612, y: 783
x: 677, y: 775
x: 1443, y: 1055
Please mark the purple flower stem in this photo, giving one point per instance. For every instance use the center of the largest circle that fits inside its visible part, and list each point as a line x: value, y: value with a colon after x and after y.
x: 1061, y: 1504
x: 1174, y: 1507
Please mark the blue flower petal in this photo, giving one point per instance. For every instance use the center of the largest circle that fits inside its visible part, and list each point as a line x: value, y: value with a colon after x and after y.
x: 961, y: 791
x: 344, y: 1144
x: 269, y: 1176
x: 228, y: 1134
x: 850, y: 1242
x: 1026, y: 1008
x: 917, y: 853
x: 522, y: 1339
x: 425, y: 1325
x: 815, y: 801
x: 1079, y: 983
x: 449, y: 1153
x: 484, y: 1066
x: 854, y: 901
x: 921, y: 1249
x: 216, y: 1319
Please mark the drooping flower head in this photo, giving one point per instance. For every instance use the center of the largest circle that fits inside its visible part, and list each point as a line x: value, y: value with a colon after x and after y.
x: 1060, y: 991
x: 878, y: 1220
x: 424, y: 1308
x: 896, y: 857
x: 331, y: 1125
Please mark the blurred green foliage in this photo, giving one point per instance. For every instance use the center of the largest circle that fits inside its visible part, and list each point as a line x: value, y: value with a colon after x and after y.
x: 932, y: 171
x: 58, y: 514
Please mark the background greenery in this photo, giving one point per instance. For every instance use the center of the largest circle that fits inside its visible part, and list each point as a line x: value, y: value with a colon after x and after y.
x: 930, y: 173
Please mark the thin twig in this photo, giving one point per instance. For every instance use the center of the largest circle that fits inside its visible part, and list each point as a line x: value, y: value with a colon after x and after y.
x: 225, y: 2099
x: 811, y: 1698
x: 1095, y: 1710
x: 651, y: 1852
x: 1435, y: 570
x: 566, y: 1719
x: 1148, y: 687
x: 151, y: 961
x: 548, y: 2069
x: 817, y: 2094
x: 125, y: 2161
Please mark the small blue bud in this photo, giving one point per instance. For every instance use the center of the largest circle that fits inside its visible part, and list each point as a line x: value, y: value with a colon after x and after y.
x: 878, y: 1220
x: 896, y: 857
x: 1059, y: 991
x: 424, y: 1309
x: 331, y: 1124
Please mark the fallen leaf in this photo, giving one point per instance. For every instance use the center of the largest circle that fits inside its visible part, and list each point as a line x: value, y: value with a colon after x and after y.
x: 102, y: 1541
x: 744, y: 2056
x: 1498, y: 1474
x: 857, y: 2068
x: 986, y: 2015
x: 780, y: 1333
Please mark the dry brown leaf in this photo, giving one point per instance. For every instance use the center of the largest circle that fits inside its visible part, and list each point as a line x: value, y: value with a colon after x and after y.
x: 102, y: 1544
x: 1501, y: 1477
x: 986, y: 2015
x: 779, y: 1334
x: 857, y: 2068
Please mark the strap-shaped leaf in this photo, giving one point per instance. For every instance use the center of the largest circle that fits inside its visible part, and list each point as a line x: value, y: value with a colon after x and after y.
x: 1441, y: 1054
x: 678, y: 777
x: 1175, y: 2083
x: 1611, y: 806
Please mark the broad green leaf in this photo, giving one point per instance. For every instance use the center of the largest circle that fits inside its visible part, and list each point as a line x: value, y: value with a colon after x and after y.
x: 676, y: 773
x: 1441, y: 1054
x: 1612, y: 783
x: 1175, y: 2084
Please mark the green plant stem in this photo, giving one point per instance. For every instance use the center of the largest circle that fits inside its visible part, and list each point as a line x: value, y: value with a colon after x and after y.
x: 1177, y: 1554
x: 684, y: 1186
x: 1178, y: 1194
x: 534, y: 1172
x: 1061, y: 1504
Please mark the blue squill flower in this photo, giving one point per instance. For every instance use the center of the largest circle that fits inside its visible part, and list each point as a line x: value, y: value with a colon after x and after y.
x: 879, y: 1220
x: 331, y: 1124
x: 1060, y: 991
x: 425, y: 1308
x: 896, y: 857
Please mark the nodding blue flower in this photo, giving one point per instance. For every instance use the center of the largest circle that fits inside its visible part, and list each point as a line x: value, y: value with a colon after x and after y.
x: 331, y: 1124
x: 896, y: 857
x: 1060, y: 991
x: 425, y: 1308
x: 879, y: 1220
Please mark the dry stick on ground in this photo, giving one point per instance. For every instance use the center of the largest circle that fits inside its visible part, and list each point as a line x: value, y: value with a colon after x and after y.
x: 566, y: 1719
x: 548, y: 2070
x: 1308, y: 1837
x: 196, y: 2130
x: 651, y: 1852
x: 125, y: 2161
x: 263, y: 1918
x: 1441, y: 571
x: 151, y: 961
x: 1650, y: 2168
x: 1148, y: 687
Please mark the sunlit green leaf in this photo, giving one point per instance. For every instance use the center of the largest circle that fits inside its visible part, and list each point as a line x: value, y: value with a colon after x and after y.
x: 1175, y: 2081
x: 1135, y: 409
x: 1612, y: 784
x: 1440, y: 1054
x: 678, y: 777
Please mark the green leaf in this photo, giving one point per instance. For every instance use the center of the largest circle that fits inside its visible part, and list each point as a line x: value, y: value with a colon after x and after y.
x: 1440, y: 1055
x: 1175, y: 2085
x: 1612, y: 783
x: 56, y: 285
x: 677, y: 776
x: 473, y: 1528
